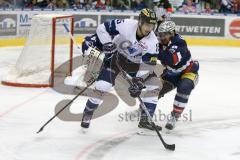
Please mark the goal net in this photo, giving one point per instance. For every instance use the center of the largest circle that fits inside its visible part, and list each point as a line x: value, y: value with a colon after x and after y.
x: 47, y: 53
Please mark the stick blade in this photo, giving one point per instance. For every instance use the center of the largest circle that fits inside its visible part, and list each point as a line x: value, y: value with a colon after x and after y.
x: 170, y: 147
x: 40, y: 130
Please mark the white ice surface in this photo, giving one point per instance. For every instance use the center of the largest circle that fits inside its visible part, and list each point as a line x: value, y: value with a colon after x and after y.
x: 213, y: 133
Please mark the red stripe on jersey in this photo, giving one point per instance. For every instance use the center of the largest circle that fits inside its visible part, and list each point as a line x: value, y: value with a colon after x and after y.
x: 189, y: 68
x: 175, y: 58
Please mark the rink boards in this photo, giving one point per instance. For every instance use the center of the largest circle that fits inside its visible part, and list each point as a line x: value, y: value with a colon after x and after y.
x: 197, y: 29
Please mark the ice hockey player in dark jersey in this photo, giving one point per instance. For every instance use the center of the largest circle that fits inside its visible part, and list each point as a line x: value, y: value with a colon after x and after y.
x: 133, y: 45
x: 181, y: 71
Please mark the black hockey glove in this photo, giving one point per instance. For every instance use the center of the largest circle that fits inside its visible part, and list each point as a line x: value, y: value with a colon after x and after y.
x: 136, y: 88
x: 109, y: 49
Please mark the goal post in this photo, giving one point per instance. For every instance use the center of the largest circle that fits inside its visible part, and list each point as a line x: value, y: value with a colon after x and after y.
x: 47, y: 47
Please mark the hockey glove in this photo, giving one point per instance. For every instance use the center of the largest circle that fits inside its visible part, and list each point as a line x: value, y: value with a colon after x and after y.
x: 136, y: 88
x: 109, y: 49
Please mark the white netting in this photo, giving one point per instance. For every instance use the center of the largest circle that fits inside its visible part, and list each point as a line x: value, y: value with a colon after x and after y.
x: 34, y: 64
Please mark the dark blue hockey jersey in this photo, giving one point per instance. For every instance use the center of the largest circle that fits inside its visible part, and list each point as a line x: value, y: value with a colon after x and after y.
x: 176, y: 56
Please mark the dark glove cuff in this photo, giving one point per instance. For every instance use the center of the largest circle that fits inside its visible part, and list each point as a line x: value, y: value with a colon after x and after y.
x: 109, y: 47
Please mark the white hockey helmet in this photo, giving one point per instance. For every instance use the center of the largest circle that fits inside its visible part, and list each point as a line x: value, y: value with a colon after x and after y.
x: 166, y: 26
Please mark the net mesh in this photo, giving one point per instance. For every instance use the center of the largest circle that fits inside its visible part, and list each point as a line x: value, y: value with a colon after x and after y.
x: 34, y: 63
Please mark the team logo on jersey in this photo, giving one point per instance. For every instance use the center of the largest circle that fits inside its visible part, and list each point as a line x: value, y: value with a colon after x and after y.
x: 132, y: 50
x: 172, y: 50
x: 127, y: 45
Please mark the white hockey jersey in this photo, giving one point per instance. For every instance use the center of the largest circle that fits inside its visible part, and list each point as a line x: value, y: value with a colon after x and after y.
x: 123, y: 34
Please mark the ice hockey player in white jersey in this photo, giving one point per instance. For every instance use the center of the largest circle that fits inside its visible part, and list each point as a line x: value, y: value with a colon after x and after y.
x: 133, y: 45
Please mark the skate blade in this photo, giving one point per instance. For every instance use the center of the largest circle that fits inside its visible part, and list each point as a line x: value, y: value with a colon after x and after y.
x: 168, y: 131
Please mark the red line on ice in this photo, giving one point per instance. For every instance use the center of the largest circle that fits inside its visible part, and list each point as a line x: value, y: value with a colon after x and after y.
x: 13, y: 108
x: 90, y: 146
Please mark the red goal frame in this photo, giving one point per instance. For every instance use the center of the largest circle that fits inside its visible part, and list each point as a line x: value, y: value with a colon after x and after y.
x: 51, y: 83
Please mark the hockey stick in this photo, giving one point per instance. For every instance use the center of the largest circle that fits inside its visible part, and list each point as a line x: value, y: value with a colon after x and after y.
x: 93, y: 51
x: 94, y: 79
x: 127, y: 78
x: 71, y: 36
x: 41, y: 129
